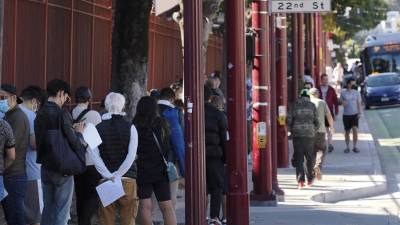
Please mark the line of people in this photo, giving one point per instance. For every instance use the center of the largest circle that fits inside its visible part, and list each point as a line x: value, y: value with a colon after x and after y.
x: 142, y: 153
x: 311, y: 123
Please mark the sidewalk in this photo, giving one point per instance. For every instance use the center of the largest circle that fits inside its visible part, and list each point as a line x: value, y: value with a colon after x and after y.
x: 353, y: 190
x: 343, y: 197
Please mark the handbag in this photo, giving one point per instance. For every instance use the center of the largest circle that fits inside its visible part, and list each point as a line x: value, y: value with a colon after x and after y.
x: 60, y: 156
x: 171, y: 168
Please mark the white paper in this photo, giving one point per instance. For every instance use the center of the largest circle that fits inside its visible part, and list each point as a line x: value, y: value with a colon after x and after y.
x: 91, y: 136
x: 110, y: 191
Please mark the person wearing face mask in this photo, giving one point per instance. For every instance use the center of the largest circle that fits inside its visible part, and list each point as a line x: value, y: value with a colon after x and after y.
x: 57, y: 187
x: 15, y: 180
x: 32, y: 97
x: 350, y: 98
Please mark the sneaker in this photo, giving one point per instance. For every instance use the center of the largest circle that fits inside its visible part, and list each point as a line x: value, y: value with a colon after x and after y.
x: 318, y: 173
x: 355, y: 150
x: 310, y: 183
x: 347, y: 150
x: 214, y: 222
x: 330, y: 148
x: 224, y: 221
x: 301, y: 185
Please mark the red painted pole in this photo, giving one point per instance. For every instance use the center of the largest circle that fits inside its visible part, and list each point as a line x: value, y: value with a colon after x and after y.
x: 282, y: 96
x: 295, y: 57
x: 309, y: 41
x: 318, y: 55
x: 262, y: 163
x: 238, y: 197
x: 301, y: 56
x: 274, y: 107
x: 195, y: 198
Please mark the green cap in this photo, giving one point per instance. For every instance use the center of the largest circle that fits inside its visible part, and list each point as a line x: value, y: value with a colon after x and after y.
x: 304, y: 93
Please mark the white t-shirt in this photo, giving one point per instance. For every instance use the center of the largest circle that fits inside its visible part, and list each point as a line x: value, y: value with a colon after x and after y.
x: 92, y: 117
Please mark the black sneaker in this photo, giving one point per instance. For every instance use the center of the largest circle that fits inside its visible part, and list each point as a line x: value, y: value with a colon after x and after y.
x: 355, y: 150
x: 347, y: 150
x: 330, y: 148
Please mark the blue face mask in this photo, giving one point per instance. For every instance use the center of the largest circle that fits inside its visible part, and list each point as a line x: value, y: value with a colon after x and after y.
x: 4, y: 106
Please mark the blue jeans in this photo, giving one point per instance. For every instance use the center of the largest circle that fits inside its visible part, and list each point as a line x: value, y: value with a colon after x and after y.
x: 57, y: 197
x: 13, y: 204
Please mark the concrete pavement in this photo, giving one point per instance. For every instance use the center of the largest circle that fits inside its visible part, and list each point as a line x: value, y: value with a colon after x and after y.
x: 354, y: 190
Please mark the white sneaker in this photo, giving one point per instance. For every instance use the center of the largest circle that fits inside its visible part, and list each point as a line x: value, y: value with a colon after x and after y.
x: 214, y: 222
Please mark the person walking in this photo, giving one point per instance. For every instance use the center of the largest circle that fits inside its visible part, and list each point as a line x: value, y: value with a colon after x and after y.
x: 86, y: 183
x: 328, y: 94
x: 350, y: 98
x: 303, y: 124
x: 320, y: 141
x: 15, y: 180
x: 338, y: 74
x: 115, y: 160
x: 57, y: 187
x: 32, y: 97
x: 216, y: 138
x: 154, y: 144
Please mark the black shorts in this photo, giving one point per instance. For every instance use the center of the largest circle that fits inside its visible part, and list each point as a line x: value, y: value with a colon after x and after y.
x: 160, y: 188
x: 350, y: 121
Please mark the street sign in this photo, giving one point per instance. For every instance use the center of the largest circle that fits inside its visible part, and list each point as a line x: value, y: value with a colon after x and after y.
x: 299, y: 6
x: 162, y: 6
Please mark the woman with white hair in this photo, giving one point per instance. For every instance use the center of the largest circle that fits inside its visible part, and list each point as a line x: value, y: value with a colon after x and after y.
x: 115, y: 159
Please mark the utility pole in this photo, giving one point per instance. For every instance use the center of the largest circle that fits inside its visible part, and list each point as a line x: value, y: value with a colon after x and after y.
x: 295, y: 55
x: 274, y: 107
x: 309, y: 42
x: 195, y: 198
x: 238, y: 197
x: 1, y: 37
x: 282, y: 93
x: 318, y: 50
x: 262, y: 158
x: 301, y: 56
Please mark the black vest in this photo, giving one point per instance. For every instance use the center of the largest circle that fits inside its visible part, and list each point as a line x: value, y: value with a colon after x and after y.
x: 115, y: 134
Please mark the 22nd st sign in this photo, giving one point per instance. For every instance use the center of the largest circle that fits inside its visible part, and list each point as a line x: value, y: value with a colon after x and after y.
x: 299, y: 6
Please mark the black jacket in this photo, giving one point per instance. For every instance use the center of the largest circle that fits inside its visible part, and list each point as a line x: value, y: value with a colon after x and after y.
x: 150, y: 162
x: 216, y: 132
x: 49, y: 117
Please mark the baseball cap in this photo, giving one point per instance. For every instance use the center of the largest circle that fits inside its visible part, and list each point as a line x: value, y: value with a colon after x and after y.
x: 12, y: 90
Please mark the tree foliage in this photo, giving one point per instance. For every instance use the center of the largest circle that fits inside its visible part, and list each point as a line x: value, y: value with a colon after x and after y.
x: 345, y: 23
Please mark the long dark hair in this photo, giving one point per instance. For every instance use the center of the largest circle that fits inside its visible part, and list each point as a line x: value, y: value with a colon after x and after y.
x: 146, y: 112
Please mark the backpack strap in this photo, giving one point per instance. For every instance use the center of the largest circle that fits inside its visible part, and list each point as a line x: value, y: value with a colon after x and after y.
x: 81, y: 115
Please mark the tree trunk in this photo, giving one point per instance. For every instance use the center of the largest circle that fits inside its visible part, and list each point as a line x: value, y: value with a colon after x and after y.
x: 210, y: 12
x: 130, y: 50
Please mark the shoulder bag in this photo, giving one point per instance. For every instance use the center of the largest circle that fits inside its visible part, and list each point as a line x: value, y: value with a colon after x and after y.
x: 171, y: 169
x: 60, y: 156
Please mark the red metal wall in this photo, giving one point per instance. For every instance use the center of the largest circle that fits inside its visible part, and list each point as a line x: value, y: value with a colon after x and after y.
x: 68, y: 39
x: 165, y: 53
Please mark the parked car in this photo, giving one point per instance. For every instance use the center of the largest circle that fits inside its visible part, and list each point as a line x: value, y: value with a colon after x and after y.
x: 382, y: 89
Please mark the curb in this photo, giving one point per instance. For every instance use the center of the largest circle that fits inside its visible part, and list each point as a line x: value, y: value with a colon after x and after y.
x: 352, y: 194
